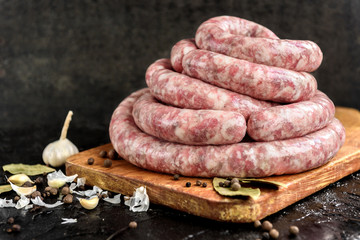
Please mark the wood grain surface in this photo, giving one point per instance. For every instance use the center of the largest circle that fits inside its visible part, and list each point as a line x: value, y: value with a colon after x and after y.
x: 162, y: 189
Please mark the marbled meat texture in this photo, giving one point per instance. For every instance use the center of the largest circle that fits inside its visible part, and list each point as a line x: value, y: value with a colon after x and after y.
x: 183, y: 91
x: 187, y: 126
x: 246, y: 159
x: 250, y: 41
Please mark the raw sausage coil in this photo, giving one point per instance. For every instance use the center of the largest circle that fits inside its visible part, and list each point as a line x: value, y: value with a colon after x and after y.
x: 194, y: 127
x: 247, y: 159
x: 249, y: 41
x: 183, y: 91
x: 292, y: 120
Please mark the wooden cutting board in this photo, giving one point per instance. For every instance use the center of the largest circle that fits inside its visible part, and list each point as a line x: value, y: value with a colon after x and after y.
x: 123, y: 177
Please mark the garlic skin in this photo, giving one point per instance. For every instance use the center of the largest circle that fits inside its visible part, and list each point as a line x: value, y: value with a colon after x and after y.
x: 56, y: 153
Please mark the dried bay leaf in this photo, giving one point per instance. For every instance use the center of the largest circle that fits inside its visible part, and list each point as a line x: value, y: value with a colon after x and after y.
x: 30, y: 170
x: 262, y: 182
x: 5, y: 188
x: 248, y: 192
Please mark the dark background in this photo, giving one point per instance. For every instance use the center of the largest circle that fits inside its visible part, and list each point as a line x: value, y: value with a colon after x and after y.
x: 87, y: 56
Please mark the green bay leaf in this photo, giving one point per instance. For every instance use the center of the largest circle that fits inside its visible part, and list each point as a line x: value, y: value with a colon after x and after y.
x: 243, y: 191
x: 5, y: 188
x: 30, y: 170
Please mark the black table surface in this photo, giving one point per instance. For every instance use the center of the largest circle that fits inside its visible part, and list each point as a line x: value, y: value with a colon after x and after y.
x: 332, y: 213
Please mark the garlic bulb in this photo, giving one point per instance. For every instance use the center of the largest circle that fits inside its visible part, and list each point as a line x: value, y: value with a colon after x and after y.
x: 56, y: 153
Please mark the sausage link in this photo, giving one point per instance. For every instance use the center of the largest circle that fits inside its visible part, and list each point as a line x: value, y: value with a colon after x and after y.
x: 252, y: 79
x: 182, y: 91
x: 247, y: 159
x: 249, y: 41
x: 179, y: 50
x: 194, y: 127
x: 292, y: 120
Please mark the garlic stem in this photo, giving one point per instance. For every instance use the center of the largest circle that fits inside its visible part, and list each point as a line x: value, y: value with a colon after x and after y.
x: 66, y: 125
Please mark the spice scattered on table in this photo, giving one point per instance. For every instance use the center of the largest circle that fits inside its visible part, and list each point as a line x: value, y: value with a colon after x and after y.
x: 107, y: 163
x: 176, y: 177
x: 188, y: 184
x: 294, y: 230
x: 267, y: 226
x: 133, y: 224
x: 102, y: 154
x: 274, y: 234
x: 90, y: 161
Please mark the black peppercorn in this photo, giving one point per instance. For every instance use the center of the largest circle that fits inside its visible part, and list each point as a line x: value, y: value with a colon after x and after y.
x: 16, y: 198
x: 68, y: 198
x: 274, y: 234
x: 235, y: 186
x: 198, y: 183
x: 204, y: 184
x: 16, y: 228
x: 65, y: 190
x: 90, y: 161
x: 39, y: 180
x: 10, y: 220
x: 176, y: 177
x: 54, y: 191
x: 221, y: 184
x: 267, y: 226
x: 102, y: 154
x: 112, y: 154
x: 294, y: 230
x: 227, y: 183
x: 107, y: 163
x: 27, y: 184
x: 133, y: 224
x: 188, y: 184
x: 266, y: 235
x: 35, y: 194
x: 257, y: 224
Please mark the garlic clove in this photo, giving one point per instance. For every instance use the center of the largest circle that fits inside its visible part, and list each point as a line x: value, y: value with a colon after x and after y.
x: 58, y: 179
x: 89, y: 203
x: 23, y: 191
x: 19, y: 179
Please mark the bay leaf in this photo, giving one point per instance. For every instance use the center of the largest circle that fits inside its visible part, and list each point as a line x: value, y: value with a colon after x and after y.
x: 243, y: 191
x: 30, y: 170
x: 5, y: 188
x: 262, y: 182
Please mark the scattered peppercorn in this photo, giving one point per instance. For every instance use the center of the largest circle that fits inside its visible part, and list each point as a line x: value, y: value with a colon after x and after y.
x: 39, y: 180
x: 54, y: 191
x: 227, y: 183
x: 204, y: 184
x: 102, y: 154
x: 35, y: 194
x: 47, y: 189
x: 27, y: 184
x: 267, y: 226
x: 176, y: 177
x: 113, y: 154
x: 274, y: 234
x: 65, y: 190
x: 294, y: 230
x: 16, y: 228
x: 266, y: 235
x: 35, y: 208
x: 257, y: 224
x: 198, y: 183
x: 107, y: 163
x: 68, y: 198
x: 234, y: 180
x: 16, y: 198
x: 90, y: 161
x: 188, y: 184
x: 133, y: 224
x: 235, y: 186
x: 10, y: 220
x: 221, y: 184
x: 8, y: 230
